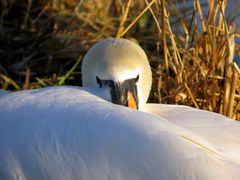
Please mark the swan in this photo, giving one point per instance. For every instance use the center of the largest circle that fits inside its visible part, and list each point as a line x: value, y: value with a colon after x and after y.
x: 71, y: 132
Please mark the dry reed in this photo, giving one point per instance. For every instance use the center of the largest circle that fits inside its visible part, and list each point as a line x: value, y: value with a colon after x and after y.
x: 193, y: 64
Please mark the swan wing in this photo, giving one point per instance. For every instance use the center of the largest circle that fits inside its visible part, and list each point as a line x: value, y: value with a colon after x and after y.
x: 221, y: 132
x: 69, y: 133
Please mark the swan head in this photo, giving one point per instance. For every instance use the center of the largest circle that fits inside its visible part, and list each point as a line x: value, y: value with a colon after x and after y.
x: 121, y: 68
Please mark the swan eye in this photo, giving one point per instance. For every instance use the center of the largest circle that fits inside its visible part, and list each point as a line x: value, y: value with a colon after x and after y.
x: 104, y: 83
x: 99, y: 81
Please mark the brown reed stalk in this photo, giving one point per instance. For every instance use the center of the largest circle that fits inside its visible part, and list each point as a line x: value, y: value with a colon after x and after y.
x: 235, y: 75
x: 197, y: 3
x: 228, y: 74
x: 191, y: 95
x: 27, y: 78
x: 211, y: 12
x: 164, y: 40
x: 137, y: 18
x: 125, y: 10
x: 176, y: 56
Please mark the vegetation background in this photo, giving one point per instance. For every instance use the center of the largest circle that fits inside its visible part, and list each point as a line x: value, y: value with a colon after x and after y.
x: 193, y: 46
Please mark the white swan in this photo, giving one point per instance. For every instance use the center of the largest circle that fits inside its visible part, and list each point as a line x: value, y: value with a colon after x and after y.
x: 70, y: 133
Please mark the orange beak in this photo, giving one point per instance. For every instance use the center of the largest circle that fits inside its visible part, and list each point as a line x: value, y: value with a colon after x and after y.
x: 131, y: 101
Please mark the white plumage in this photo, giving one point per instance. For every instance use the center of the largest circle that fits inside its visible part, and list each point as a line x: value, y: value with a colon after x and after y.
x: 70, y: 133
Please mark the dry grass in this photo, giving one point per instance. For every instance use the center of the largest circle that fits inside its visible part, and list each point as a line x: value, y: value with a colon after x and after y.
x: 191, y: 50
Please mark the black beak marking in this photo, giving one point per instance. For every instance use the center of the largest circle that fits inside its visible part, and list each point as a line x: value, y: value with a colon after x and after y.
x: 119, y: 90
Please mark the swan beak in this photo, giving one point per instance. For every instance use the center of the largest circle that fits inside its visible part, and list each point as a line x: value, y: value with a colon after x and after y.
x: 131, y: 101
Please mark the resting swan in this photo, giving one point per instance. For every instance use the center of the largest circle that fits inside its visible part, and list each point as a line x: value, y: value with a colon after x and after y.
x: 74, y: 133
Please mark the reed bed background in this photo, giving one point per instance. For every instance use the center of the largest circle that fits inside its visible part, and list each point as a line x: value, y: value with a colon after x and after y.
x: 193, y: 47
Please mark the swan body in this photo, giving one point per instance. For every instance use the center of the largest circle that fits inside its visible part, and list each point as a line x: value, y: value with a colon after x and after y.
x: 76, y: 133
x: 69, y: 133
